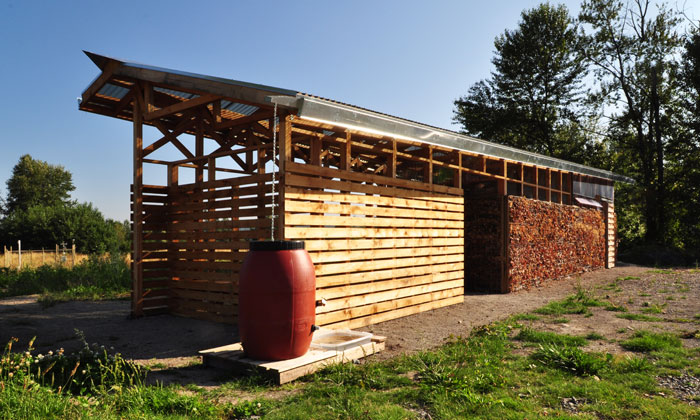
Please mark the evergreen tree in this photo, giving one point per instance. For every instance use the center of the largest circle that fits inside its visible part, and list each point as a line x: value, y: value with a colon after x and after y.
x: 533, y: 99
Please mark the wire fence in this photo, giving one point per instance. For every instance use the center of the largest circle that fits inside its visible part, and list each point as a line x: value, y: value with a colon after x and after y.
x: 19, y: 258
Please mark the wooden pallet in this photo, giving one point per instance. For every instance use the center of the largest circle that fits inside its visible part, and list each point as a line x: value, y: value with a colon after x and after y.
x: 231, y: 357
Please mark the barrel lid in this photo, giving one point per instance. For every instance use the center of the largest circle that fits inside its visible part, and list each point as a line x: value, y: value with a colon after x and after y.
x: 276, y: 245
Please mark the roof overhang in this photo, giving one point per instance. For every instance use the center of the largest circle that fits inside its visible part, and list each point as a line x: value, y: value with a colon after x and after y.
x: 321, y: 110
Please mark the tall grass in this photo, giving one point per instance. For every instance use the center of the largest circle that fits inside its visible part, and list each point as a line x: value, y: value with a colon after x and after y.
x: 97, y: 277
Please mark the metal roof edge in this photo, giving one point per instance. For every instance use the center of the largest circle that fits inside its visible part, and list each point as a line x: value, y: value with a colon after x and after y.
x: 101, y: 61
x: 315, y: 108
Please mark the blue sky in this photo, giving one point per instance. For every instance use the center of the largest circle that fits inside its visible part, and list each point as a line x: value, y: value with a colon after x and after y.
x: 406, y: 58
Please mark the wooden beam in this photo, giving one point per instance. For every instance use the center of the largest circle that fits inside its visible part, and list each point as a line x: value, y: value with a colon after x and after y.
x: 182, y: 106
x: 179, y: 129
x: 99, y: 82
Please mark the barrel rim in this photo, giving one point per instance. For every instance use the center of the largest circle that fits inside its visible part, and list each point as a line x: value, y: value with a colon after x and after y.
x: 276, y: 245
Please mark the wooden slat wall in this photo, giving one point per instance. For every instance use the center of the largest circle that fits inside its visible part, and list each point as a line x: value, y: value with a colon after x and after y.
x: 611, y: 235
x: 383, y: 248
x: 195, y: 239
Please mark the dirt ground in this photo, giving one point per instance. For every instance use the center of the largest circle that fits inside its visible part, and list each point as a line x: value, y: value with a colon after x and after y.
x: 170, y: 344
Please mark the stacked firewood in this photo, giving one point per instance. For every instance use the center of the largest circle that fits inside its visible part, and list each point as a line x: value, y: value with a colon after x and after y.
x: 548, y: 241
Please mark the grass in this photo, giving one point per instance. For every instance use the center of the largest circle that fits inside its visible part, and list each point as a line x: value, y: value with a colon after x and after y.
x: 640, y: 317
x: 529, y: 335
x: 646, y: 341
x: 468, y: 377
x: 653, y: 308
x: 532, y: 317
x: 578, y: 303
x: 92, y: 279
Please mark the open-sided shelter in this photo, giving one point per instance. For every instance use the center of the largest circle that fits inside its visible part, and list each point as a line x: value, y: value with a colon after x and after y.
x: 398, y: 217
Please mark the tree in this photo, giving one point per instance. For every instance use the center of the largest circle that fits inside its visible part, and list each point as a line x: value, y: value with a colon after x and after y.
x: 532, y: 100
x: 684, y: 149
x: 35, y: 182
x: 44, y: 226
x: 633, y: 54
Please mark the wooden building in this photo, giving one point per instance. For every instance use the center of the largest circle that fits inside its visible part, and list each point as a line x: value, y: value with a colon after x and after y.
x: 379, y: 200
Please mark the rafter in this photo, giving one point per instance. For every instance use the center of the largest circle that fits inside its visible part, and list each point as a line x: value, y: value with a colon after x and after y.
x: 99, y: 82
x: 182, y: 106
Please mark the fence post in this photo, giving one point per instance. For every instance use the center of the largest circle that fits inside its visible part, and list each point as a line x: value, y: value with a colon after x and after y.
x: 4, y: 253
x: 42, y: 256
x: 19, y: 252
x: 56, y: 254
x: 73, y: 255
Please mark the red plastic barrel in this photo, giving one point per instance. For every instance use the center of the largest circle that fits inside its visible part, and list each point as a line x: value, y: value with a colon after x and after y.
x: 276, y: 300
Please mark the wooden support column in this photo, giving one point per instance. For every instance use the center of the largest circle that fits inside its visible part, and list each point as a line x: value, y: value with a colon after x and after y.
x: 173, y: 175
x: 315, y: 152
x: 137, y: 230
x: 345, y: 153
x: 429, y: 169
x: 392, y: 173
x: 211, y: 169
x: 549, y: 184
x: 199, y: 148
x: 284, y: 140
x: 457, y: 180
x: 521, y: 167
x: 503, y: 182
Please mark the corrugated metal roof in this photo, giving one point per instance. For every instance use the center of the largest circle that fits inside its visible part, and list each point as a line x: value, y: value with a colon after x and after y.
x: 333, y: 112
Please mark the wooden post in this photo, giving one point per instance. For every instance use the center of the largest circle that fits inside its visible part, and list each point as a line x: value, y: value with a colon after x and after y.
x: 173, y: 173
x: 199, y: 149
x: 393, y: 158
x: 345, y: 153
x: 285, y: 155
x: 4, y: 253
x: 43, y: 260
x: 137, y: 231
x: 429, y: 173
x: 73, y: 255
x: 503, y: 182
x: 457, y: 181
x: 56, y: 255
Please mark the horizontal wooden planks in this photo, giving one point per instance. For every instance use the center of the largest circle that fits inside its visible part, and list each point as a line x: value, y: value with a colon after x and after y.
x: 381, y: 250
x: 195, y: 238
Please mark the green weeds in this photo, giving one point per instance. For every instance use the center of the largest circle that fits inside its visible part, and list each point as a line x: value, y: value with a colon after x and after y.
x: 578, y: 303
x: 540, y: 337
x: 646, y: 341
x: 571, y: 359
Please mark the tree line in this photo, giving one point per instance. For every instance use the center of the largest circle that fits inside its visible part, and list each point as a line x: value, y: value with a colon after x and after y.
x: 616, y: 87
x: 39, y: 211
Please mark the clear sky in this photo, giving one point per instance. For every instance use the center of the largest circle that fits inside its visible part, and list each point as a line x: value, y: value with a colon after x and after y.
x: 411, y: 59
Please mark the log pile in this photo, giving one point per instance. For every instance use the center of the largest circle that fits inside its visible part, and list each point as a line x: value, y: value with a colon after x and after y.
x: 549, y: 240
